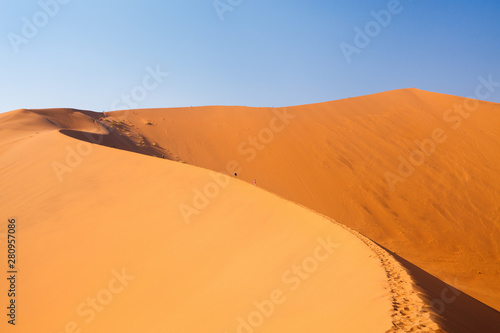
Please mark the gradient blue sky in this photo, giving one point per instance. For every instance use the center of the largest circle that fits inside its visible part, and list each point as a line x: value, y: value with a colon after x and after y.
x: 264, y: 52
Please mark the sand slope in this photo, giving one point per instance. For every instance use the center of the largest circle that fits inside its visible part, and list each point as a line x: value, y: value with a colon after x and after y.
x: 441, y: 216
x: 350, y: 160
x: 105, y: 248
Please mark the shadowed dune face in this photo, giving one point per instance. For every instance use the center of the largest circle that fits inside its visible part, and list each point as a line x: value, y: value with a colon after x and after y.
x: 106, y: 249
x: 454, y: 310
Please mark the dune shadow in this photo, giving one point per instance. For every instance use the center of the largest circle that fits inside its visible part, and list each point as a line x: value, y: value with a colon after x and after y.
x: 117, y: 142
x: 453, y: 310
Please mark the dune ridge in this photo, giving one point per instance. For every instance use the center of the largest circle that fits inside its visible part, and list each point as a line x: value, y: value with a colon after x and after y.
x: 105, y: 248
x: 345, y: 159
x: 411, y: 311
x: 332, y: 158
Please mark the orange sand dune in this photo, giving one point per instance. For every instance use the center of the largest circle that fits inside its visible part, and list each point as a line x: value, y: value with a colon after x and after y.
x: 103, y: 246
x: 350, y: 160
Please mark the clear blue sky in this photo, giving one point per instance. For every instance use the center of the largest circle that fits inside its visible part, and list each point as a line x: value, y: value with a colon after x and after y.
x: 264, y: 53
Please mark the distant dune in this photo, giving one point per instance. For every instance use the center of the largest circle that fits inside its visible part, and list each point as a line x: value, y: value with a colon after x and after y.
x: 415, y: 172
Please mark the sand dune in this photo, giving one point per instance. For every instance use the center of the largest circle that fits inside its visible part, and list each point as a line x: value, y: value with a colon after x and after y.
x: 105, y: 248
x: 350, y: 160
